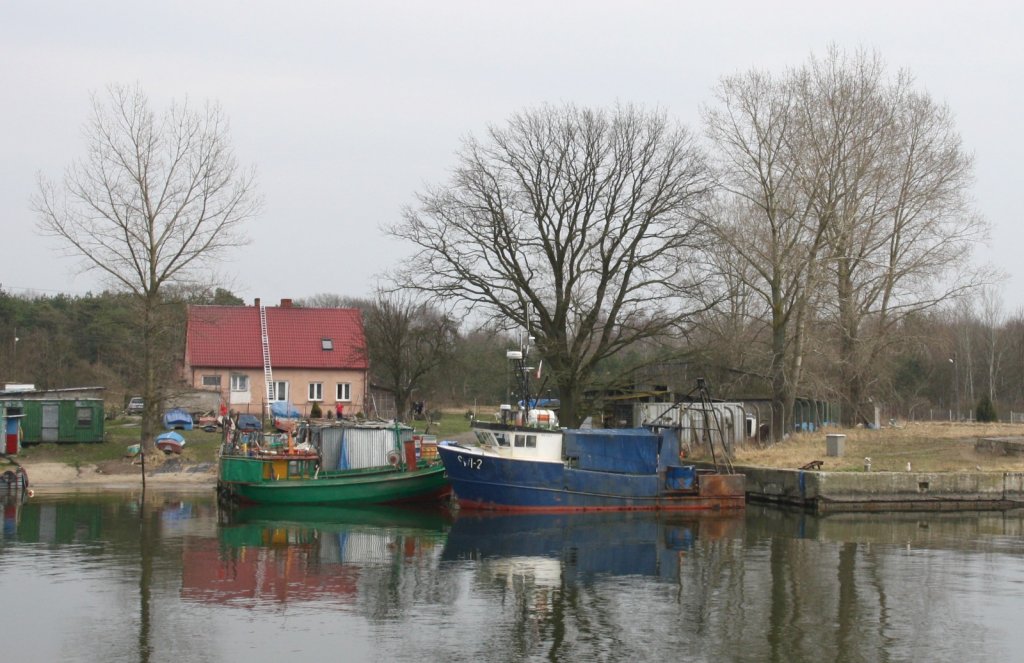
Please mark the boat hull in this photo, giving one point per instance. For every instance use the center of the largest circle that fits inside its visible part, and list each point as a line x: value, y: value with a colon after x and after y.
x: 481, y: 481
x: 247, y: 480
x: 170, y: 442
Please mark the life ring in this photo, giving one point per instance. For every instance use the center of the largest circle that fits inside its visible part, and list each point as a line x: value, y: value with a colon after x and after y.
x: 394, y: 458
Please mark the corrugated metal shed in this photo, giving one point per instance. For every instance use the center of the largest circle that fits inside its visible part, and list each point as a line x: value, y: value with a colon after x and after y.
x: 349, y: 447
x: 690, y: 418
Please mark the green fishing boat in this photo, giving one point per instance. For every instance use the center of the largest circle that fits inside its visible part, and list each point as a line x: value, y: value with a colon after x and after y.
x: 332, y: 465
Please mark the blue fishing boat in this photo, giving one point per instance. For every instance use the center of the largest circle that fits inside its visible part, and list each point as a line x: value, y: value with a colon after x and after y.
x: 525, y: 462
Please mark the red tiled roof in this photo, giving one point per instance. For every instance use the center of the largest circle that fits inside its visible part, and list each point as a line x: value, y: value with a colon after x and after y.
x: 229, y: 336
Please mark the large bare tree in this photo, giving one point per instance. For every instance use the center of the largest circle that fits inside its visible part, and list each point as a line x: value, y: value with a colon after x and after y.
x: 154, y: 203
x: 895, y: 205
x: 849, y: 201
x: 770, y: 239
x: 578, y: 225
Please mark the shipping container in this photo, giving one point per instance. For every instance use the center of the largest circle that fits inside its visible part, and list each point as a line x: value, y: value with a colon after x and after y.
x: 58, y: 420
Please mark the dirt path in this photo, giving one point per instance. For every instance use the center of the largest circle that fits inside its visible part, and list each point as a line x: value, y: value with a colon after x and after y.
x: 49, y: 476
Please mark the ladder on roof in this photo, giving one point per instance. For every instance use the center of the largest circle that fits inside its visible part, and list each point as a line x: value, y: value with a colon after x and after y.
x: 268, y: 374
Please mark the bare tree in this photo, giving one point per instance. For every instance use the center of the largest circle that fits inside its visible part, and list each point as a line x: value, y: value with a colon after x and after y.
x: 153, y: 204
x: 406, y: 340
x: 332, y: 300
x: 994, y: 324
x: 580, y: 226
x: 853, y: 209
x: 894, y: 203
x: 770, y: 236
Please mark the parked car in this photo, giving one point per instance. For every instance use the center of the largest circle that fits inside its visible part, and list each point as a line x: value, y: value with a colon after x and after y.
x: 135, y: 405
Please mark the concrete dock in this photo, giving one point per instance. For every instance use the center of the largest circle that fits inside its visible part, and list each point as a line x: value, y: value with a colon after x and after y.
x: 830, y: 492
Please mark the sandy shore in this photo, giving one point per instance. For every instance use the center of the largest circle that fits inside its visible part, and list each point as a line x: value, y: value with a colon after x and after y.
x: 51, y: 477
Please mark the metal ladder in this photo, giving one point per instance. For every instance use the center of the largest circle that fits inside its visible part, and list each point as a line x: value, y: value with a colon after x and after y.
x: 268, y: 374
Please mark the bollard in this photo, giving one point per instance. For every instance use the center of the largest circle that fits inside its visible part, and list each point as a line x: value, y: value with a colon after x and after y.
x: 867, y: 464
x: 834, y: 444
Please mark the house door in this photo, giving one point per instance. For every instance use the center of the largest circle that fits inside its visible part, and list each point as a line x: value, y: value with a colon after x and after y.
x: 51, y: 422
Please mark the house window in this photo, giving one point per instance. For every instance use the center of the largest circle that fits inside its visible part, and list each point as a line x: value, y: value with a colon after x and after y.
x: 281, y: 390
x: 344, y: 392
x: 327, y: 343
x: 239, y: 382
x: 84, y: 416
x: 316, y: 391
x: 211, y: 381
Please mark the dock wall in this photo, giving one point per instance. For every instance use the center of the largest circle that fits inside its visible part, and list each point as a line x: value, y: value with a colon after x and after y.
x: 885, y: 491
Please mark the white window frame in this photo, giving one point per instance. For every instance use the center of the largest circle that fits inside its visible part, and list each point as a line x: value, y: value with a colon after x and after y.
x: 316, y: 392
x: 280, y: 387
x: 526, y: 441
x: 343, y: 392
x: 211, y: 381
x: 239, y: 382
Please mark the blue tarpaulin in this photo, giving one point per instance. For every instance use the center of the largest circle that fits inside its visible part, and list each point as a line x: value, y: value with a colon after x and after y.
x: 284, y: 409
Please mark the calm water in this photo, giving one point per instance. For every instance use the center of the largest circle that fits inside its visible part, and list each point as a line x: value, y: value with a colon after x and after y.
x: 114, y: 578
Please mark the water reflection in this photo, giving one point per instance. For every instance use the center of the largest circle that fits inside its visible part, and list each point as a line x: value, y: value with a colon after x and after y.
x: 264, y: 555
x: 584, y: 544
x: 183, y: 580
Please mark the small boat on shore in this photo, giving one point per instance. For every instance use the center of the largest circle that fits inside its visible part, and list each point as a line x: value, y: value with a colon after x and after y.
x: 526, y: 463
x: 336, y: 465
x: 177, y: 419
x: 170, y: 442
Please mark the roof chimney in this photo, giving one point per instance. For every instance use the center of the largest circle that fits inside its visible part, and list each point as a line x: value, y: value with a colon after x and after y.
x: 257, y: 302
x: 286, y: 303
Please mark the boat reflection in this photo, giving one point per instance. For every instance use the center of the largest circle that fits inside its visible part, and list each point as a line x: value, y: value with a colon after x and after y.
x: 10, y: 504
x: 556, y: 546
x: 276, y: 554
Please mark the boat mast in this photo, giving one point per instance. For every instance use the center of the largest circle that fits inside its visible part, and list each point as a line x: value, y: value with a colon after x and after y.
x: 521, y: 375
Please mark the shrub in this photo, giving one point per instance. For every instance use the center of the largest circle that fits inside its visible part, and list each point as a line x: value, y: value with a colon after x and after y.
x: 314, y: 412
x: 985, y: 411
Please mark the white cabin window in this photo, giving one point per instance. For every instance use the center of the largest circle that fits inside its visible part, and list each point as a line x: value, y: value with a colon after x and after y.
x: 343, y: 392
x: 281, y: 390
x: 316, y: 391
x: 239, y: 382
x: 211, y: 381
x: 526, y: 441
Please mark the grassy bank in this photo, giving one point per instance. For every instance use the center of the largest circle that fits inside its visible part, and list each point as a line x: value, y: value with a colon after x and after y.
x: 200, y: 446
x: 928, y: 447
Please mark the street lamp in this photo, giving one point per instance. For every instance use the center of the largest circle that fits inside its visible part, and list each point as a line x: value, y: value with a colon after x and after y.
x: 955, y: 399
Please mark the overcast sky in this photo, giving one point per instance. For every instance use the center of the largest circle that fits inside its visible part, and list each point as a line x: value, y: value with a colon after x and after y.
x: 348, y: 109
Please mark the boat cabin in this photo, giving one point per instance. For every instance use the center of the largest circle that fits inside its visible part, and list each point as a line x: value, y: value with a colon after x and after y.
x: 520, y: 442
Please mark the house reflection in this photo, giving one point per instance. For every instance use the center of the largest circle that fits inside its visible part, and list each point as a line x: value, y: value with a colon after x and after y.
x: 277, y: 555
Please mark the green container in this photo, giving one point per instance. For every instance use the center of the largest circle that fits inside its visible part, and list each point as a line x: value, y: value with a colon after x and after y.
x: 59, y: 420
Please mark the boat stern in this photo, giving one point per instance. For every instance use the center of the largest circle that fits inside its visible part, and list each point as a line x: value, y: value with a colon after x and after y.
x: 722, y: 485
